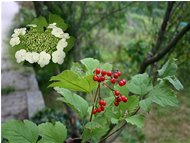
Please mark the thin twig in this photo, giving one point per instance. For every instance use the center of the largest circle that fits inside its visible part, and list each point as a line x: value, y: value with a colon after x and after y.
x: 125, y: 123
x: 94, y: 101
x: 106, y: 85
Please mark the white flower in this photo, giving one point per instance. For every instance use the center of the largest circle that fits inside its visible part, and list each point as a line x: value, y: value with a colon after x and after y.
x: 58, y: 56
x: 14, y: 35
x: 20, y: 31
x: 14, y: 41
x: 32, y: 25
x: 44, y: 59
x: 20, y: 55
x: 61, y: 44
x: 57, y: 32
x: 66, y: 35
x: 29, y: 57
x: 51, y: 26
x: 32, y: 57
x: 35, y: 56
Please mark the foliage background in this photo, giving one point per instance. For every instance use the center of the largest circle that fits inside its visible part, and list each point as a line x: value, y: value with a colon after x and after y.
x: 122, y: 33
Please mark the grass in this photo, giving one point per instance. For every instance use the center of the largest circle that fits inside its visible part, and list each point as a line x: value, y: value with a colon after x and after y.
x: 169, y: 125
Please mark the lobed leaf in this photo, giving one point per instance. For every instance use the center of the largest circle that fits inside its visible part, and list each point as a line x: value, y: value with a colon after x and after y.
x: 70, y: 80
x: 140, y: 84
x: 162, y: 95
x: 50, y: 133
x: 41, y: 23
x: 53, y: 18
x: 137, y: 120
x: 90, y: 64
x: 145, y: 104
x: 94, y: 130
x: 20, y: 132
x: 106, y: 66
x: 77, y: 103
x: 168, y: 69
x: 131, y: 105
x: 175, y: 82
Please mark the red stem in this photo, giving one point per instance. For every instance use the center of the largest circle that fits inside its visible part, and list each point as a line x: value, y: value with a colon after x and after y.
x: 98, y: 88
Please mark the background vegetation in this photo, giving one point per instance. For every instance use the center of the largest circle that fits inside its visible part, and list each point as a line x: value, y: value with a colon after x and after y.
x: 136, y: 37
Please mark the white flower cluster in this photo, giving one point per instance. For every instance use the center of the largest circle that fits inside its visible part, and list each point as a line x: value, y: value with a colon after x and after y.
x: 59, y: 55
x: 15, y: 40
x: 41, y: 58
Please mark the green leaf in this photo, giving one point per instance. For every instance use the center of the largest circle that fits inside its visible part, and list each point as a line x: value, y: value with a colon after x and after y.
x: 145, y: 104
x: 90, y: 64
x: 53, y: 18
x: 41, y: 23
x: 50, y: 133
x: 175, y: 82
x: 78, y: 69
x: 131, y: 105
x: 163, y: 95
x: 71, y: 43
x: 160, y: 94
x: 77, y: 103
x: 106, y: 66
x: 94, y: 130
x: 122, y: 89
x: 92, y: 125
x: 92, y: 84
x: 114, y: 121
x: 20, y: 132
x: 70, y: 80
x: 140, y: 84
x: 137, y: 120
x: 168, y: 69
x: 109, y: 100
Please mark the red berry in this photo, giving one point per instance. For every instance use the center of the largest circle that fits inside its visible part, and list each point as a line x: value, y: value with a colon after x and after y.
x: 102, y: 102
x: 115, y: 75
x: 95, y: 78
x: 121, y: 83
x: 116, y: 92
x: 99, y: 110
x: 94, y: 111
x: 113, y: 80
x: 119, y: 73
x: 124, y: 81
x: 109, y: 73
x: 97, y: 71
x: 124, y: 99
x: 119, y: 99
x: 116, y: 103
x: 102, y: 78
x: 104, y: 72
x: 102, y: 108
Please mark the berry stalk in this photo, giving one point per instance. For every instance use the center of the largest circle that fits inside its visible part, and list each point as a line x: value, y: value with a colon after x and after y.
x: 95, y: 98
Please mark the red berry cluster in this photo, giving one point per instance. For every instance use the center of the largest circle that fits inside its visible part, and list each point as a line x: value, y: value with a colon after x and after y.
x: 102, y: 103
x: 102, y: 75
x: 113, y: 76
x: 119, y: 98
